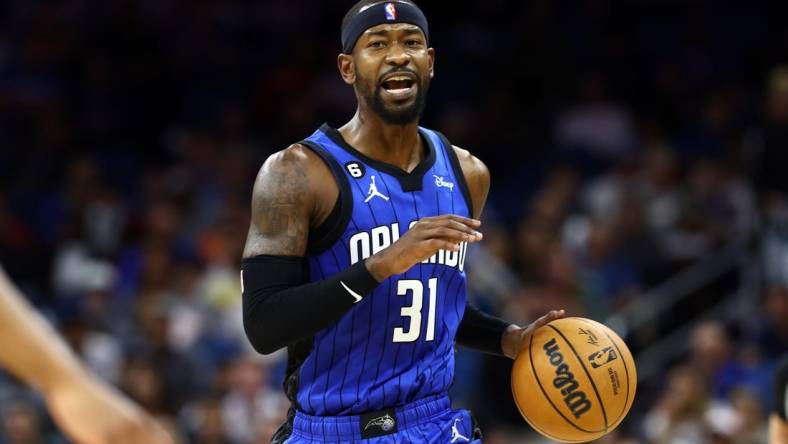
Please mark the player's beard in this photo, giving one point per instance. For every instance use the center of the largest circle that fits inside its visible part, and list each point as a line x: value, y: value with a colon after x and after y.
x: 371, y: 94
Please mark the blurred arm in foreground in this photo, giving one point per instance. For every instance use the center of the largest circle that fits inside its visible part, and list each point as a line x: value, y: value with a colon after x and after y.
x: 778, y: 421
x: 86, y: 409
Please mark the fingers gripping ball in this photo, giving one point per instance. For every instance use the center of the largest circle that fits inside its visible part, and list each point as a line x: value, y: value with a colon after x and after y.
x: 574, y: 381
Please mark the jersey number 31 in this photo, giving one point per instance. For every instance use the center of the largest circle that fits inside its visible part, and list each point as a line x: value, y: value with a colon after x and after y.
x: 413, y: 311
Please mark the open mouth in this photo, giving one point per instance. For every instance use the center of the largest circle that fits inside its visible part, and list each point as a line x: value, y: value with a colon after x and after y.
x: 400, y: 86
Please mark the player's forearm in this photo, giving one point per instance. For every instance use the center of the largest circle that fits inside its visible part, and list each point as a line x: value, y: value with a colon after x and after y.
x: 280, y: 309
x: 483, y: 332
x: 29, y: 347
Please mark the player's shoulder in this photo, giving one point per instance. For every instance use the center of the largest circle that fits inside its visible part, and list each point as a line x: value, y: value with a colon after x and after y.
x: 299, y: 170
x: 296, y: 160
x: 294, y: 156
x: 472, y: 167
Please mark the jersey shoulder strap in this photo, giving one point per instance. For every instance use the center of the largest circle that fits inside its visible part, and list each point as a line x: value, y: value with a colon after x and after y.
x: 449, y: 156
x: 322, y: 237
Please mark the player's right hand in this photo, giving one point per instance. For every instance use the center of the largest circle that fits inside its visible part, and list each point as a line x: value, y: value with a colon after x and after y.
x: 421, y: 241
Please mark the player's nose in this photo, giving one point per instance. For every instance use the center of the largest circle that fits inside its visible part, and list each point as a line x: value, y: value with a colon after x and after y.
x: 397, y: 56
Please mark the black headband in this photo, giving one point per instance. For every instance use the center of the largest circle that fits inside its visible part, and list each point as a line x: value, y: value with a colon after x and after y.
x: 381, y: 13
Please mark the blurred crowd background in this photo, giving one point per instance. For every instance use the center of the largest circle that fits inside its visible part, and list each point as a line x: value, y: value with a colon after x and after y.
x: 637, y: 148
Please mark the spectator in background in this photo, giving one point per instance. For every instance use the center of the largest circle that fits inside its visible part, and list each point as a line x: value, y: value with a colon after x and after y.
x: 609, y: 279
x: 101, y: 351
x: 142, y: 383
x: 659, y: 188
x: 685, y: 413
x: 709, y: 353
x: 87, y: 220
x: 735, y: 374
x: 204, y: 423
x: 721, y: 206
x: 163, y: 377
x: 22, y: 424
x: 773, y: 335
x: 750, y: 412
x: 251, y: 406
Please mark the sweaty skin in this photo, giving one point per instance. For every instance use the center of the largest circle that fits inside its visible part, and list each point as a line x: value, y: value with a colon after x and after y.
x: 295, y: 191
x: 87, y: 410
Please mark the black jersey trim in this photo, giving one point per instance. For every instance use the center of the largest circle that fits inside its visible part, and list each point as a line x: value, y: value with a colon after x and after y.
x: 323, y: 233
x: 458, y: 173
x: 322, y: 237
x: 409, y: 181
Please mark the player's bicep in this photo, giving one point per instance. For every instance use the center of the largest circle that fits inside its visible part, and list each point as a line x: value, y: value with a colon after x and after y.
x: 479, y: 185
x: 477, y: 176
x: 281, y: 203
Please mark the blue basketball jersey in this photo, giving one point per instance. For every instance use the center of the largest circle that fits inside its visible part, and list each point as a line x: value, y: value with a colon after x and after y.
x: 396, y: 345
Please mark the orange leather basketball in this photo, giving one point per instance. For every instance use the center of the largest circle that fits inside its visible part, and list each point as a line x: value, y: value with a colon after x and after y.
x: 574, y: 380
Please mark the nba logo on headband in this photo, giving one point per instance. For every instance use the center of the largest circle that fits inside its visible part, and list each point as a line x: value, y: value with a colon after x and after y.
x: 391, y: 11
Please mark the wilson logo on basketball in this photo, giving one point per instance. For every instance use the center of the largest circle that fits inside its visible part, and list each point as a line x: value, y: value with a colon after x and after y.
x: 565, y: 381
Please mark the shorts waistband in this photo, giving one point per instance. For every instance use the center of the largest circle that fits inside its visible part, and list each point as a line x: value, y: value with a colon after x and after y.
x: 351, y: 427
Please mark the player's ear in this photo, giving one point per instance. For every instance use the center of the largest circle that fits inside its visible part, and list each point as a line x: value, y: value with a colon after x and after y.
x: 431, y: 56
x: 347, y: 68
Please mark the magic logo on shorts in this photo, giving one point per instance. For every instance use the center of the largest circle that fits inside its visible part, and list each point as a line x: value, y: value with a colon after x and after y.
x: 378, y: 424
x: 391, y: 11
x: 385, y: 423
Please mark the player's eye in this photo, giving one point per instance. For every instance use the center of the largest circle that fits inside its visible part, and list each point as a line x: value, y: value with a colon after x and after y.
x: 376, y: 44
x: 413, y: 42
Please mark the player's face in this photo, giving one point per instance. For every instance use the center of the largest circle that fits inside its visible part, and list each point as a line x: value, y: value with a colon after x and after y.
x: 392, y: 71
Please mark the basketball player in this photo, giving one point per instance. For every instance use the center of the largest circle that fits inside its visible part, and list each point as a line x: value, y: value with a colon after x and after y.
x: 88, y: 411
x: 778, y: 421
x: 355, y: 255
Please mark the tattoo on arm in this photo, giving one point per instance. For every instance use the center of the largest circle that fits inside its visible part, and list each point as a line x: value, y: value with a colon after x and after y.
x: 280, y: 213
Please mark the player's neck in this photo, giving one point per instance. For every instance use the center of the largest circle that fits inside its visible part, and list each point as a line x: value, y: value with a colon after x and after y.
x: 398, y: 145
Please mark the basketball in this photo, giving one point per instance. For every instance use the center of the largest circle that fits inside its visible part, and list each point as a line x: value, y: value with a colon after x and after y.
x: 574, y: 380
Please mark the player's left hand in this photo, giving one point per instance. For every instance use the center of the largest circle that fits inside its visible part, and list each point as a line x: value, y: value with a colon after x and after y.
x: 515, y: 338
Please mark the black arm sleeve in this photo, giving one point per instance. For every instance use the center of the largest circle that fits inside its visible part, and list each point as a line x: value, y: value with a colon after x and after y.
x: 781, y: 389
x: 481, y: 331
x: 280, y: 307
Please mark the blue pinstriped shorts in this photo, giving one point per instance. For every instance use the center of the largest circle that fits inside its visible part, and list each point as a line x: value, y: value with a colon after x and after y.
x: 430, y: 420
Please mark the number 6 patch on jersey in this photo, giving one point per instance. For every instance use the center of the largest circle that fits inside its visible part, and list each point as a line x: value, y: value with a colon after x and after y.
x: 355, y: 169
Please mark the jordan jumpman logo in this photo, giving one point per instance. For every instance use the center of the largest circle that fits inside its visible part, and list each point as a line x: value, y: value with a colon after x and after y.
x: 455, y: 433
x: 373, y: 191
